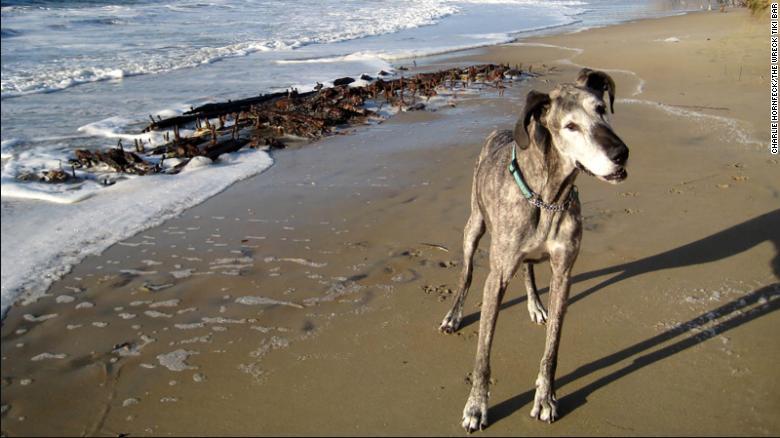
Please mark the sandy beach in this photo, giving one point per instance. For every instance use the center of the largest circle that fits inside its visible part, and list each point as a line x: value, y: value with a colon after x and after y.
x: 306, y: 300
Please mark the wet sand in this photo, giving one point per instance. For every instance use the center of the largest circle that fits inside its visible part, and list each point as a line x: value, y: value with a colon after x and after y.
x: 306, y: 300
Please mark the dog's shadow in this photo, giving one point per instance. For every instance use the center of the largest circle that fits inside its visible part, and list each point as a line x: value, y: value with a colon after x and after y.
x: 731, y: 315
x: 721, y: 245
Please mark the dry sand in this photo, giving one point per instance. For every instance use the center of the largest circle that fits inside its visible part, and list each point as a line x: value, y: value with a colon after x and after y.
x: 306, y: 300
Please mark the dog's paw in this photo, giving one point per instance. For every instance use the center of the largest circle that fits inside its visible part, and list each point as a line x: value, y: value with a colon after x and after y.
x: 537, y: 312
x: 545, y: 406
x: 475, y: 414
x: 450, y: 323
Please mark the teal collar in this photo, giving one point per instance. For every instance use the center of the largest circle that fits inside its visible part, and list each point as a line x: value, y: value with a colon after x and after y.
x: 532, y: 197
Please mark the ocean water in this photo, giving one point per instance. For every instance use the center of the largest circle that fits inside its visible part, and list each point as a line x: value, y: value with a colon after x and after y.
x: 84, y: 74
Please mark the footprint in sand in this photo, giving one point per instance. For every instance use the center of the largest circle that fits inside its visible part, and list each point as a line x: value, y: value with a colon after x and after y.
x: 190, y: 326
x: 32, y: 318
x: 156, y: 314
x: 405, y: 276
x: 441, y: 291
x: 48, y: 356
x: 130, y: 402
x: 151, y: 287
x: 169, y: 303
x: 177, y: 360
x: 412, y: 253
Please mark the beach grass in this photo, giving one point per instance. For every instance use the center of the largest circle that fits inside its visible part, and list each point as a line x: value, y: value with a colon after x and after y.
x: 757, y: 6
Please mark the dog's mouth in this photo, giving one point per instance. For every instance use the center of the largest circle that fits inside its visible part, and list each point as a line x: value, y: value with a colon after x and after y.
x: 614, y: 178
x: 584, y: 169
x: 617, y: 176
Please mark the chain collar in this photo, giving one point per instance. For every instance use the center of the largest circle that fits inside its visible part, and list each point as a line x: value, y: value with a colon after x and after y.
x: 533, y: 198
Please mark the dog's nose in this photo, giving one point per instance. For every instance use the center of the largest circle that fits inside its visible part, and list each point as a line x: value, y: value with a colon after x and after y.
x: 612, y: 145
x: 619, y: 155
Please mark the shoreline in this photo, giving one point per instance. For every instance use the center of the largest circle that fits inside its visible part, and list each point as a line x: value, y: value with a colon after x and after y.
x: 55, y: 269
x: 349, y: 292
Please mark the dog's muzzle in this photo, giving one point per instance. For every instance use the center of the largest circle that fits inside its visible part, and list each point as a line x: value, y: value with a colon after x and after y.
x: 616, y: 151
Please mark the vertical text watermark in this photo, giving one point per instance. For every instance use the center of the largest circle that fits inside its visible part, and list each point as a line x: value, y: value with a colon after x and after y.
x: 773, y: 74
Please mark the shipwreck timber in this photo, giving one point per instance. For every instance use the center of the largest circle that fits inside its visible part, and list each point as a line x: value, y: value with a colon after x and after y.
x: 265, y: 121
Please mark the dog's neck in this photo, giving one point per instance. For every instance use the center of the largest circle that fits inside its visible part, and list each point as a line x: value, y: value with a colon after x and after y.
x: 549, y: 175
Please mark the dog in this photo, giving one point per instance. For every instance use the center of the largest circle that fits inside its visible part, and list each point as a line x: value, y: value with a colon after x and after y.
x: 523, y: 192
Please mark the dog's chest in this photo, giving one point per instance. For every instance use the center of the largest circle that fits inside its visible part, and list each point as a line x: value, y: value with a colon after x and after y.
x: 536, y: 246
x: 537, y: 253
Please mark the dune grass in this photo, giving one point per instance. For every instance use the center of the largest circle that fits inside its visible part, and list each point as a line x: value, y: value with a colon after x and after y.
x: 757, y: 6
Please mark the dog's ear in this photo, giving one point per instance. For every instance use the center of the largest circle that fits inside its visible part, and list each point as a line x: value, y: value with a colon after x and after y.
x: 599, y: 82
x: 535, y: 104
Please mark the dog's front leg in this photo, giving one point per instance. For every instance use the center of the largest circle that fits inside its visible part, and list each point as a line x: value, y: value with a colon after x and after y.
x: 475, y: 412
x: 545, y: 405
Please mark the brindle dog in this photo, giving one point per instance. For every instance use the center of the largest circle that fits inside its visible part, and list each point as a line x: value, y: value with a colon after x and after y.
x: 559, y: 134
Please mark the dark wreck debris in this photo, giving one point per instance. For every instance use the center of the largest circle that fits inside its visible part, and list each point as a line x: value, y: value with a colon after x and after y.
x: 316, y: 113
x: 264, y: 121
x: 49, y: 176
x: 343, y: 81
x: 57, y: 176
x: 116, y: 158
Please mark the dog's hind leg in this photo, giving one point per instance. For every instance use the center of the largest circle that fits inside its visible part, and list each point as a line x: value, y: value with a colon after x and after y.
x: 475, y: 229
x: 535, y: 307
x: 504, y: 259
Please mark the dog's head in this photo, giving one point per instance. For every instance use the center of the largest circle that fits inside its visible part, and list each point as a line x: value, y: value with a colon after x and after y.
x: 573, y: 119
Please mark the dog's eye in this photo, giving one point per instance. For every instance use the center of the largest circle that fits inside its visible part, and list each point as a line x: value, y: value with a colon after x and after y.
x: 601, y: 109
x: 572, y: 127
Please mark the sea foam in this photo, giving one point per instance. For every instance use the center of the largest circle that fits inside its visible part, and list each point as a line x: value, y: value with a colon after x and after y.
x: 36, y: 251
